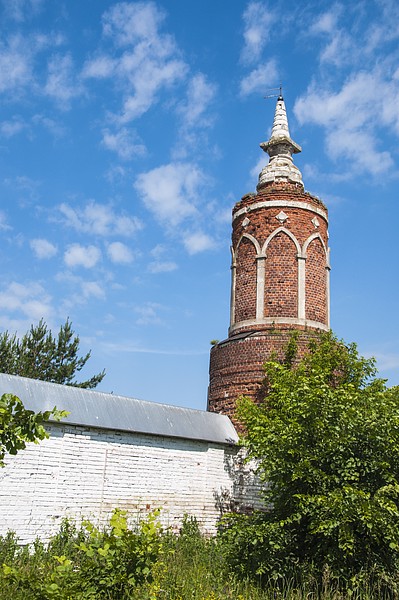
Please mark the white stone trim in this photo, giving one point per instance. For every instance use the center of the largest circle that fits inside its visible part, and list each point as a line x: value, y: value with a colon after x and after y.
x: 233, y: 287
x: 282, y: 204
x: 310, y: 239
x: 260, y: 286
x: 301, y: 287
x: 278, y: 321
x: 252, y: 239
x: 283, y: 230
x: 328, y: 268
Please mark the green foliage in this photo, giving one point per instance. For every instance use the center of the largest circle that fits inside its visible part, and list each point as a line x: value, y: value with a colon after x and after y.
x: 94, y: 565
x: 119, y: 559
x: 40, y: 355
x: 19, y: 425
x: 183, y: 566
x: 327, y: 442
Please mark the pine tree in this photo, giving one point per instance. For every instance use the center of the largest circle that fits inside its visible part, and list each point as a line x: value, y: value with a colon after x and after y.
x: 40, y: 355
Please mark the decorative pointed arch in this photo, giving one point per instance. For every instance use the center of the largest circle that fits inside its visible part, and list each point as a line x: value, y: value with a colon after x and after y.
x: 244, y: 279
x: 310, y: 240
x: 287, y: 232
x: 252, y: 239
x: 281, y: 250
x: 316, y: 255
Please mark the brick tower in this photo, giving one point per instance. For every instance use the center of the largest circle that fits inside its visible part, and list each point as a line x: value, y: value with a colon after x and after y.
x: 280, y: 273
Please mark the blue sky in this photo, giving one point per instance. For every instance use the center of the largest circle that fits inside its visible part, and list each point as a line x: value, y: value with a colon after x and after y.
x: 129, y: 129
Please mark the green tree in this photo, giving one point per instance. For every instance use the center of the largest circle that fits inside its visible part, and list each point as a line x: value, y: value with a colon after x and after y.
x: 326, y: 440
x: 40, y: 355
x: 19, y: 425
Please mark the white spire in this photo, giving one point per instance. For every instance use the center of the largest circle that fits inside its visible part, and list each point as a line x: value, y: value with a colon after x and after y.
x: 280, y: 148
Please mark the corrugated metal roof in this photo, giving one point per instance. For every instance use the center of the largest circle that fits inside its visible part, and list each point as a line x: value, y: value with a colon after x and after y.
x: 98, y: 409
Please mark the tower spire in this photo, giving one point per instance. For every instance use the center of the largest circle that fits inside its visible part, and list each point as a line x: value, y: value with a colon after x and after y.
x: 280, y: 149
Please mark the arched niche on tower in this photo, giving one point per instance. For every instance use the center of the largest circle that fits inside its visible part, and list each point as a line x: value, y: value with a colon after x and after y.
x: 316, y: 279
x: 244, y: 262
x: 281, y: 275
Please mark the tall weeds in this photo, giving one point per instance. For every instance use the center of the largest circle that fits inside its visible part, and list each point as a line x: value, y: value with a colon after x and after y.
x: 148, y: 563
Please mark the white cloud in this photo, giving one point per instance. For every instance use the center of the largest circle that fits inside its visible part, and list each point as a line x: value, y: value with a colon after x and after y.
x: 259, y: 79
x: 200, y: 94
x: 81, y: 290
x: 43, y: 248
x: 99, y: 67
x: 4, y: 226
x: 352, y: 118
x: 196, y: 118
x: 119, y: 253
x: 327, y: 21
x: 126, y: 23
x: 92, y: 289
x: 30, y: 299
x: 12, y: 127
x: 170, y: 192
x: 99, y: 219
x: 82, y: 256
x: 124, y: 142
x: 147, y: 81
x: 258, y: 22
x: 62, y: 84
x: 52, y: 126
x: 158, y: 251
x: 198, y: 242
x: 15, y: 64
x: 146, y: 60
x: 18, y: 54
x: 148, y: 314
x: 339, y: 51
x: 21, y: 10
x: 162, y: 266
x: 386, y: 361
x: 339, y: 46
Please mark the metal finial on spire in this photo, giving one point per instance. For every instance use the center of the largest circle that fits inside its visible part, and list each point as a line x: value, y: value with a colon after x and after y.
x: 279, y: 96
x: 280, y: 148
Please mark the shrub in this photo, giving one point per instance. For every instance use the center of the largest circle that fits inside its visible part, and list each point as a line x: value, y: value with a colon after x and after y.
x: 327, y: 443
x: 94, y: 565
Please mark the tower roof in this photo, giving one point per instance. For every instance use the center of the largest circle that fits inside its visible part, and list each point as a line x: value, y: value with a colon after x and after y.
x: 280, y: 149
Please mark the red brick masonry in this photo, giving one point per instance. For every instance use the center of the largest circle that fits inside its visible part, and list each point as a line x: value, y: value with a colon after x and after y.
x: 267, y: 247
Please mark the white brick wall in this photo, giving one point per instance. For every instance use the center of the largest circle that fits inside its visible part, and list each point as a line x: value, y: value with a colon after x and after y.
x: 84, y: 472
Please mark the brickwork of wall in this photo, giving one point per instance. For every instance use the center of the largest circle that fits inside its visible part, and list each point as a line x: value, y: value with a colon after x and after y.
x: 316, y: 282
x: 280, y: 284
x: 280, y: 224
x: 281, y: 278
x: 245, y: 297
x: 82, y: 472
x: 236, y: 366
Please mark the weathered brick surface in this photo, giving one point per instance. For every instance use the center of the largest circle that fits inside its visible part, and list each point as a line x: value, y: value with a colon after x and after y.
x: 281, y: 278
x: 286, y: 228
x: 316, y: 283
x: 236, y: 366
x: 246, y: 275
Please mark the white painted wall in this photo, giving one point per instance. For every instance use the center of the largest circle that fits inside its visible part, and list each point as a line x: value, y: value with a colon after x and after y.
x: 83, y: 472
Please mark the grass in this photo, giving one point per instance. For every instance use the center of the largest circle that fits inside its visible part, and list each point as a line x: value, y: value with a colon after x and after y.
x: 187, y: 566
